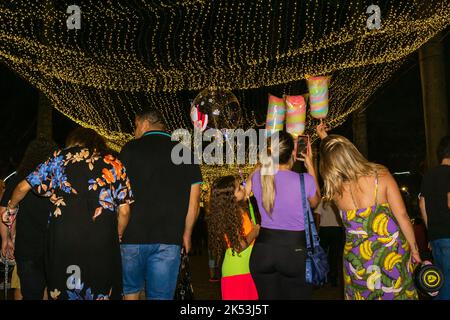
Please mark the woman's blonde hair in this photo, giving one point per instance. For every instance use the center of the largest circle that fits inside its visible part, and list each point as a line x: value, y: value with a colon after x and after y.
x: 279, y: 150
x: 340, y: 162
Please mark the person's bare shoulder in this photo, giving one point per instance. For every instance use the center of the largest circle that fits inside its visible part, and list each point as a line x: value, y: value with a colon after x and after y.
x: 382, y: 170
x: 384, y: 175
x: 386, y: 179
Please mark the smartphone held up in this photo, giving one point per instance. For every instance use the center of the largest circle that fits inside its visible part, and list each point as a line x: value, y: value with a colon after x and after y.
x: 302, y: 146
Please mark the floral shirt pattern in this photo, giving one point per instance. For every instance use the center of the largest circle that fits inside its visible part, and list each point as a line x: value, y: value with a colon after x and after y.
x: 113, y: 186
x: 86, y: 189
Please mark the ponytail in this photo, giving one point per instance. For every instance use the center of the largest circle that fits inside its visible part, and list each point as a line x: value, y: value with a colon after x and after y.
x: 279, y: 151
x: 268, y: 182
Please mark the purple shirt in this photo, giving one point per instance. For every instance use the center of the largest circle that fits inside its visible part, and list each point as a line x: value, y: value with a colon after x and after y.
x: 287, y: 213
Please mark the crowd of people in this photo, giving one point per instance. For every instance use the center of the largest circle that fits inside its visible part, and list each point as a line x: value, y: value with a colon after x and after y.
x: 361, y: 217
x: 84, y: 232
x: 94, y: 225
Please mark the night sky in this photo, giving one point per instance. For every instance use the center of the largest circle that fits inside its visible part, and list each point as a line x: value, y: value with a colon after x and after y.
x: 395, y: 119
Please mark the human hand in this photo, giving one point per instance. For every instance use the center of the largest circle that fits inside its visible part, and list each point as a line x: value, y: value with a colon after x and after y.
x: 8, y: 249
x: 308, y: 158
x: 415, y: 256
x: 321, y: 130
x: 4, y: 215
x: 9, y: 215
x: 256, y: 229
x: 187, y: 243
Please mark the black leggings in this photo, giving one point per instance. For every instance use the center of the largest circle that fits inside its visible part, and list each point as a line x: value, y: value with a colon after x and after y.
x: 277, y: 265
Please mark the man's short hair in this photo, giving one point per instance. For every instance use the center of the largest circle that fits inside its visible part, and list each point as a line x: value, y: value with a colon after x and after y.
x: 152, y: 115
x: 443, y: 150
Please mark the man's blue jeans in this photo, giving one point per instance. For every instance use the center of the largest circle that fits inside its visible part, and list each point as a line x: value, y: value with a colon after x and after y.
x: 441, y: 256
x: 154, y: 265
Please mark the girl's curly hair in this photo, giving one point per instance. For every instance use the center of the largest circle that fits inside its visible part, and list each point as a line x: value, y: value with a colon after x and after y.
x: 224, y: 217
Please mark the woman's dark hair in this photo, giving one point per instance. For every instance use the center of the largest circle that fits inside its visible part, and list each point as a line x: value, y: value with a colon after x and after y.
x: 87, y: 138
x: 38, y: 151
x: 443, y: 150
x: 224, y: 217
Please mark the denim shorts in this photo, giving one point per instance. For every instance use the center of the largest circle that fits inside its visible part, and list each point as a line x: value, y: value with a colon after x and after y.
x: 153, y: 266
x: 441, y: 255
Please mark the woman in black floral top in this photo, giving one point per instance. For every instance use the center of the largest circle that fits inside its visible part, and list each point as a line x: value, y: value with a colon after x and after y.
x: 91, y: 195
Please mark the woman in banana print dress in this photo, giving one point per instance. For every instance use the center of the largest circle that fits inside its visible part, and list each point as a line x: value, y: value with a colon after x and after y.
x: 380, y: 249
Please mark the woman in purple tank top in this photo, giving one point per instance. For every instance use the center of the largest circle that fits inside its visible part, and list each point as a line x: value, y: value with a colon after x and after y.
x: 277, y: 263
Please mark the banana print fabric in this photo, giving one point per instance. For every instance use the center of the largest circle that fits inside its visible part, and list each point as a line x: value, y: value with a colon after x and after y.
x: 377, y: 264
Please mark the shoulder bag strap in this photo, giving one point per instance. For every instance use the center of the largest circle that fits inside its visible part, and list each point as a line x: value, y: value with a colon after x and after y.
x: 310, y: 229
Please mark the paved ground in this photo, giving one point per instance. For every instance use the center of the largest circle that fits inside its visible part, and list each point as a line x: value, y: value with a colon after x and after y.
x: 205, y: 290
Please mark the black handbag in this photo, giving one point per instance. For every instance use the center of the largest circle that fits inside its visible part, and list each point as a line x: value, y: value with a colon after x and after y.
x: 317, y: 267
x: 184, y: 289
x: 428, y: 278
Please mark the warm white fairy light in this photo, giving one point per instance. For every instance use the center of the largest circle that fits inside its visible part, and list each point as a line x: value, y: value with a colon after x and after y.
x: 131, y: 55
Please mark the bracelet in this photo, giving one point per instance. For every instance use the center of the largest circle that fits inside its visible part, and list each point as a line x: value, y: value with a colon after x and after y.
x: 9, y: 205
x: 12, y: 211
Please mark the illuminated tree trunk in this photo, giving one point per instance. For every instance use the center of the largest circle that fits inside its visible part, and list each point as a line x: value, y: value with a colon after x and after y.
x: 360, y: 132
x: 434, y: 95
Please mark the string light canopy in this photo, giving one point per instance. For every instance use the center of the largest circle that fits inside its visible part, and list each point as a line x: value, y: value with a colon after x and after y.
x: 129, y: 55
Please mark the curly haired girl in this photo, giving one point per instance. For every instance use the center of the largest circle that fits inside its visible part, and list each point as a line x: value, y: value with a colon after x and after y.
x: 230, y: 229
